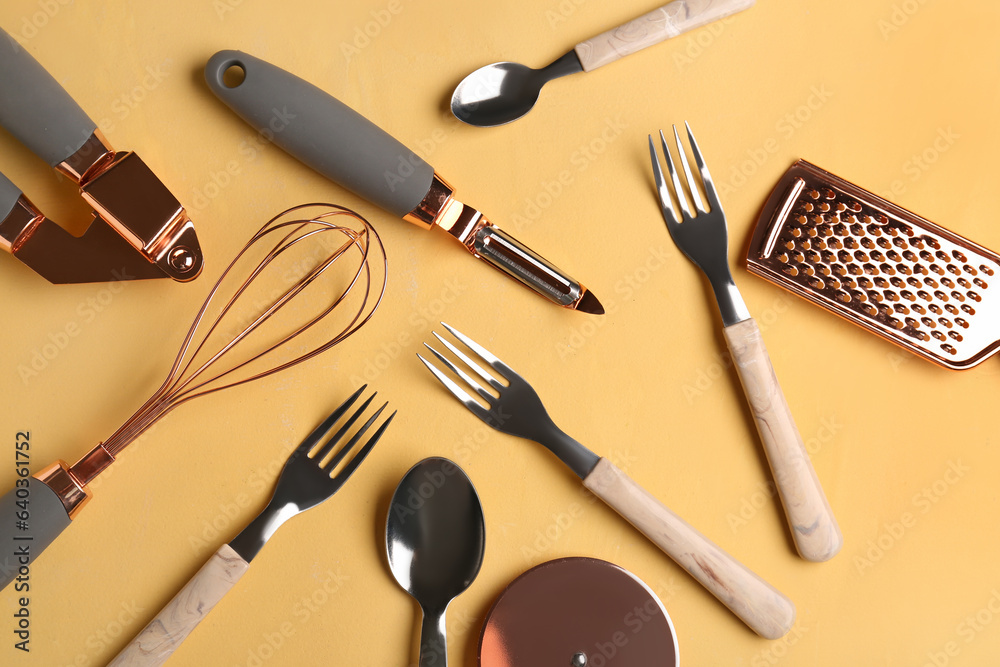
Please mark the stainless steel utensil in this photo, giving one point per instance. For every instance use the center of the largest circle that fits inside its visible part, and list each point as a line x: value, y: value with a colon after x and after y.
x: 517, y: 410
x: 503, y: 92
x: 435, y: 537
x: 310, y: 476
x: 702, y: 236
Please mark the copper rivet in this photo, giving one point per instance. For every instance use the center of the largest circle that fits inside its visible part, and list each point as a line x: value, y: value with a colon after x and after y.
x: 579, y: 660
x: 182, y: 259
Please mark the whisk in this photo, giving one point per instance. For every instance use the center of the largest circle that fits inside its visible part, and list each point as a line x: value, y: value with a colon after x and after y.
x: 300, y: 245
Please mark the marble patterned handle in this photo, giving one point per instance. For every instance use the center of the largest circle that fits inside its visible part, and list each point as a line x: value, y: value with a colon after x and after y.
x: 814, y: 528
x: 660, y: 24
x: 768, y: 613
x: 174, y: 623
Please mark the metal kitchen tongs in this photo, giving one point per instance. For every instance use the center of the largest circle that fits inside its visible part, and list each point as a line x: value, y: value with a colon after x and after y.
x: 139, y: 229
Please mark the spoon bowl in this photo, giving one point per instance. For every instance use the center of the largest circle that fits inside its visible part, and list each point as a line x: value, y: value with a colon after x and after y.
x: 435, y: 539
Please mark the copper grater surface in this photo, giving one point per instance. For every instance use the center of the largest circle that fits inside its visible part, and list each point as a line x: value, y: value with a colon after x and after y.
x: 880, y: 266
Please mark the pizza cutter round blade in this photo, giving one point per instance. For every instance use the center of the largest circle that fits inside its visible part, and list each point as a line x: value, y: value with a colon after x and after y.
x: 578, y: 612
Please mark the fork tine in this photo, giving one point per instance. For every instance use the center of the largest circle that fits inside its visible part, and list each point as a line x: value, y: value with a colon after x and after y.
x: 692, y: 184
x: 320, y: 431
x: 324, y: 451
x: 487, y: 396
x: 343, y: 451
x: 487, y: 378
x: 456, y: 391
x: 706, y: 178
x: 678, y: 189
x: 484, y: 354
x: 359, y: 458
x: 666, y: 201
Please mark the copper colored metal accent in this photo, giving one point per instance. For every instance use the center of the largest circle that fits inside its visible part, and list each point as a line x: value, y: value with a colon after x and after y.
x: 19, y: 224
x: 578, y: 611
x: 875, y: 264
x: 487, y: 242
x: 157, y: 238
x: 427, y: 211
x: 92, y: 157
x: 71, y: 492
x: 227, y: 346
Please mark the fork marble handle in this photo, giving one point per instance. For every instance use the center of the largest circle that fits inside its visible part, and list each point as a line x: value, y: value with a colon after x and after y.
x: 768, y: 613
x: 814, y: 528
x: 165, y: 633
x: 660, y: 24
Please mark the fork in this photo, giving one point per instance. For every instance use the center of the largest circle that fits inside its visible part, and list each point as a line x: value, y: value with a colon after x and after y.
x: 518, y: 411
x: 702, y: 236
x: 305, y: 482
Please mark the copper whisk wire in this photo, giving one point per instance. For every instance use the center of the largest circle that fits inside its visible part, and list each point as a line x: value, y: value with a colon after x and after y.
x: 186, y: 380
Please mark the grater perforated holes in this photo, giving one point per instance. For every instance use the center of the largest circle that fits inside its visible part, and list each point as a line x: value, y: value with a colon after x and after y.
x: 920, y: 310
x: 814, y: 194
x: 950, y: 307
x: 954, y: 270
x: 816, y: 283
x: 980, y: 283
x: 965, y: 283
x: 942, y: 256
x: 897, y: 282
x: 860, y: 255
x: 987, y: 270
x: 945, y: 321
x: 908, y: 295
x: 904, y: 269
x: 894, y: 257
x: 841, y: 207
x: 975, y: 297
x: 954, y: 335
x: 829, y: 194
x: 959, y: 256
x: 949, y: 349
x: 903, y: 310
x: 887, y: 269
x: 865, y: 283
x: 834, y: 283
x: 783, y: 257
x: 962, y: 322
x: 928, y: 322
x: 947, y: 282
x: 824, y: 207
x: 877, y: 256
x: 883, y: 243
x: 909, y: 256
x: 798, y: 257
x: 796, y: 232
x: 968, y: 309
x: 844, y: 296
x: 913, y: 282
x: 936, y: 269
x: 958, y: 295
x: 896, y: 323
x: 968, y: 269
x: 934, y: 308
x: 917, y: 243
x: 891, y: 296
x: 931, y: 241
x: 940, y: 295
x: 791, y: 270
x: 938, y: 335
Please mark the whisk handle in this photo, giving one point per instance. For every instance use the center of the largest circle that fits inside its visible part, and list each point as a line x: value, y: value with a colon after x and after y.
x: 31, y: 517
x: 322, y: 132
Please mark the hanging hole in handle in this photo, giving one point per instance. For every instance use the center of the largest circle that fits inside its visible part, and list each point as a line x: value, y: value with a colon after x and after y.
x: 234, y: 75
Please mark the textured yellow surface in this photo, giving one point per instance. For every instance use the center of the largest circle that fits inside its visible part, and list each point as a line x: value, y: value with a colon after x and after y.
x: 899, y: 96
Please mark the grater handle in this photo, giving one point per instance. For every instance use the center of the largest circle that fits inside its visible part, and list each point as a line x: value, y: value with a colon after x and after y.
x: 165, y: 633
x: 814, y: 528
x: 768, y: 613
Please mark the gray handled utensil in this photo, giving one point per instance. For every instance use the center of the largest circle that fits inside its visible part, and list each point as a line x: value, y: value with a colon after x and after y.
x: 503, y: 92
x: 517, y: 410
x: 305, y: 481
x: 139, y: 230
x: 350, y: 150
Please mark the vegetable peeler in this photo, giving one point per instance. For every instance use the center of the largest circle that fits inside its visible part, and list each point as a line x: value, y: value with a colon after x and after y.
x: 139, y: 230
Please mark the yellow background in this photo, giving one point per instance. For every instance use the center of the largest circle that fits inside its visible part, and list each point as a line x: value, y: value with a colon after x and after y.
x: 868, y: 86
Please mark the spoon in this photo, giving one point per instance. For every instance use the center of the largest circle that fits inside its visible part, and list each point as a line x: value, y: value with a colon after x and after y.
x: 435, y: 536
x: 502, y: 92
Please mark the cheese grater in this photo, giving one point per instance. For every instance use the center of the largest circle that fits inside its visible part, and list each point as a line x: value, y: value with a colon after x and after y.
x: 880, y: 266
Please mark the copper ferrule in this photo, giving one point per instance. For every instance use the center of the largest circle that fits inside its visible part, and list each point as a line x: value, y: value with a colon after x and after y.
x: 73, y: 494
x: 19, y: 224
x: 90, y: 466
x: 489, y: 243
x: 127, y: 195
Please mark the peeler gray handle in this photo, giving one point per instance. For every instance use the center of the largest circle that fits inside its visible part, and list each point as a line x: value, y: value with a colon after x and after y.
x: 31, y: 518
x: 8, y: 196
x: 323, y: 132
x: 36, y: 109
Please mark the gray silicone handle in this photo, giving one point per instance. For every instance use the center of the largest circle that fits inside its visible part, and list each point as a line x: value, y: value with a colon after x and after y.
x: 36, y: 109
x: 323, y: 132
x: 8, y: 196
x: 20, y: 544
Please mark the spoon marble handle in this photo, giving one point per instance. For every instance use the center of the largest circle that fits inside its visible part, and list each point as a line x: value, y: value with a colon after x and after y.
x: 658, y: 25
